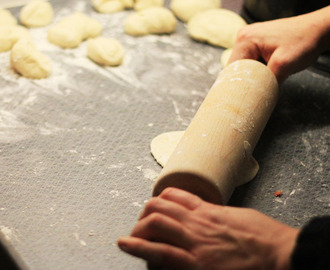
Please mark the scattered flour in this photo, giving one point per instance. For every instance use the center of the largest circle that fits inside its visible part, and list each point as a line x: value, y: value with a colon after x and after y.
x: 7, y: 233
x: 150, y: 174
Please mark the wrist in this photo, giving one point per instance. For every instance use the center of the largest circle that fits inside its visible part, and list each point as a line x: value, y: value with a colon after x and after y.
x: 285, y: 246
x: 322, y: 21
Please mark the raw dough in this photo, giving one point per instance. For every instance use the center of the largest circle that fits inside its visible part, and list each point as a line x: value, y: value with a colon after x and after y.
x: 72, y: 30
x: 110, y: 6
x: 164, y: 145
x: 10, y: 34
x: 225, y: 57
x: 37, y: 13
x: 28, y: 61
x: 143, y: 4
x: 218, y: 27
x: 153, y: 20
x: 186, y: 9
x: 6, y: 18
x: 250, y: 167
x: 105, y: 51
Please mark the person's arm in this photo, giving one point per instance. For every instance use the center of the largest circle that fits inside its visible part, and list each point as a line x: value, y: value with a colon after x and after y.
x: 287, y: 45
x: 312, y: 249
x: 178, y: 230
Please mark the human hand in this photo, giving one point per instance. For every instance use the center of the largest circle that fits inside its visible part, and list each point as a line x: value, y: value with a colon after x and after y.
x: 178, y: 230
x: 287, y: 45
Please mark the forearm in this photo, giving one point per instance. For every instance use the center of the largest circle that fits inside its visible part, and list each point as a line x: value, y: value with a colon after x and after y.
x: 321, y: 23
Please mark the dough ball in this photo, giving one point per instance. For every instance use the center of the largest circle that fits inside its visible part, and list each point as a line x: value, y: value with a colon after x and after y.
x: 10, y: 34
x: 143, y: 4
x: 105, y: 51
x: 6, y: 18
x: 225, y: 57
x: 37, y: 13
x: 186, y: 9
x: 164, y: 145
x: 28, y: 61
x: 153, y: 20
x: 73, y: 29
x: 111, y: 6
x: 218, y: 27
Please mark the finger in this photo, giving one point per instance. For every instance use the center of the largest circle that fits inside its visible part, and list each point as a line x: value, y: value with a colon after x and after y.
x: 182, y: 197
x: 244, y: 50
x: 280, y: 65
x: 285, y: 61
x: 166, y: 207
x: 158, y: 253
x: 161, y: 228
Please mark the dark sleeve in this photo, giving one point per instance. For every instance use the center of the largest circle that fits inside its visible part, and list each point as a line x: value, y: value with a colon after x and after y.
x: 312, y: 250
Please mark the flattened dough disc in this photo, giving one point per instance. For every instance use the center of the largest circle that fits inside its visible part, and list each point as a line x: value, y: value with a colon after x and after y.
x: 164, y: 144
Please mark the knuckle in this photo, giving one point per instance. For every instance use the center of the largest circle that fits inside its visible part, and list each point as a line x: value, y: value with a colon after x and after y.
x: 250, y: 33
x: 166, y: 191
x: 244, y: 33
x: 152, y: 204
x: 279, y: 61
x: 155, y: 220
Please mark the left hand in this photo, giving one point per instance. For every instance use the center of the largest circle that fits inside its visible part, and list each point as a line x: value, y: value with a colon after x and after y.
x: 178, y: 230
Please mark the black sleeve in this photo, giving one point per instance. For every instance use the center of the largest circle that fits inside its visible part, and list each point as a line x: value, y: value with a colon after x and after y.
x: 312, y: 251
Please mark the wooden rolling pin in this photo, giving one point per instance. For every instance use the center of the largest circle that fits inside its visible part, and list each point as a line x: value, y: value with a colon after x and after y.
x: 214, y: 155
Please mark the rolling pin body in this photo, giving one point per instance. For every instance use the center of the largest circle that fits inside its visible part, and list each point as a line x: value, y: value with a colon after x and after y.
x: 215, y: 154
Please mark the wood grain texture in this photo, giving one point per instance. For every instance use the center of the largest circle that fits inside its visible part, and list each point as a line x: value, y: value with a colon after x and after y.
x: 215, y: 154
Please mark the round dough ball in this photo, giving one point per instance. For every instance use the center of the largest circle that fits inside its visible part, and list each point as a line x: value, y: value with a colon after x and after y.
x: 186, y: 9
x: 218, y: 27
x: 143, y: 4
x: 153, y: 20
x: 73, y: 29
x: 64, y: 37
x: 225, y: 57
x: 37, y: 13
x: 10, y: 34
x: 164, y: 145
x: 111, y: 6
x: 6, y: 18
x: 28, y: 61
x: 105, y: 51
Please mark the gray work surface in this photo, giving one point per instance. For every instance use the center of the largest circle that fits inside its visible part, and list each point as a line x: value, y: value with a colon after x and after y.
x: 75, y: 163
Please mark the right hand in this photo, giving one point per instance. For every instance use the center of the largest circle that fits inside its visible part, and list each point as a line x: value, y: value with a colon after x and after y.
x: 287, y: 45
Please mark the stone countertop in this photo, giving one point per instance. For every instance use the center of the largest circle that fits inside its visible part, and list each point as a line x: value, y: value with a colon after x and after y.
x: 75, y: 162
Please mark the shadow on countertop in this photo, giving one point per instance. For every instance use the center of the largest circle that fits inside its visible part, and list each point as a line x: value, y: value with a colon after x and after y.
x: 292, y: 147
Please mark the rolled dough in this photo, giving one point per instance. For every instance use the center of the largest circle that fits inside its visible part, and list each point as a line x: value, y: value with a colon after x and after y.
x: 186, y: 9
x: 164, y: 145
x: 105, y: 51
x: 153, y: 20
x: 218, y: 27
x: 37, y: 13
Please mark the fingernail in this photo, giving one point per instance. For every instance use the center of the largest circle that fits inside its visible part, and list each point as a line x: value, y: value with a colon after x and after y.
x: 122, y: 243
